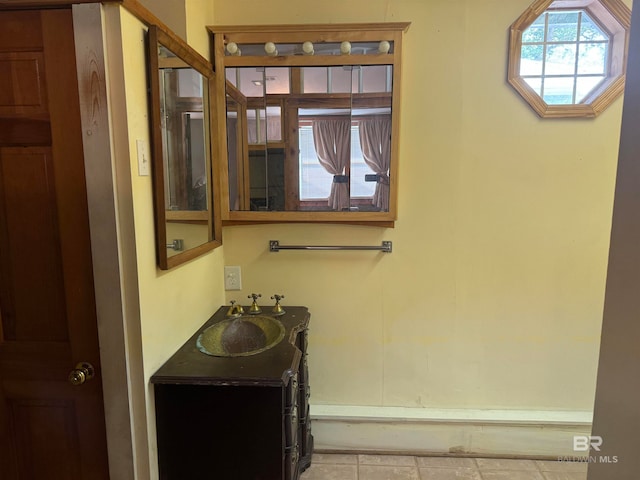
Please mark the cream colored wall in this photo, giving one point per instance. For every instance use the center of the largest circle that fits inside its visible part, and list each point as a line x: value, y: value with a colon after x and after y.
x: 492, y: 297
x: 199, y: 14
x: 174, y: 303
x: 192, y: 235
x: 173, y: 14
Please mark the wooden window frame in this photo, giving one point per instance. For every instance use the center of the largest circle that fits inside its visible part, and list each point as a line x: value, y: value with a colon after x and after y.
x: 615, y: 17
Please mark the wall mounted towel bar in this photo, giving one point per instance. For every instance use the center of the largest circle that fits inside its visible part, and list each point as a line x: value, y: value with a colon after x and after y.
x: 274, y: 246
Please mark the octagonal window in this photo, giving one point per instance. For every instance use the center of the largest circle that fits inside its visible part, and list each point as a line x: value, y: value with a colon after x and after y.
x: 568, y: 57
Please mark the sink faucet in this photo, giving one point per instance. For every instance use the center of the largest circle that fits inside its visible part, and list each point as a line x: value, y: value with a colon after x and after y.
x: 235, y: 310
x: 255, y: 308
x: 277, y: 308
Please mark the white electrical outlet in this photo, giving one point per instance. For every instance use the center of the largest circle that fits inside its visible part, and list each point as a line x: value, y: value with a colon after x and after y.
x: 232, y: 278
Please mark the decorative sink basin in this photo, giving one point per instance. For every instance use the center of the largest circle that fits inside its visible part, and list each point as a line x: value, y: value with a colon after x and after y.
x: 241, y: 336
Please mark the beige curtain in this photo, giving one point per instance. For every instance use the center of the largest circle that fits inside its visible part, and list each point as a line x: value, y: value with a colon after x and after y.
x: 332, y: 139
x: 375, y: 142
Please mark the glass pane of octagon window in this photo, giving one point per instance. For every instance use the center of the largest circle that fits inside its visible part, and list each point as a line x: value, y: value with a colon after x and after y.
x: 567, y: 58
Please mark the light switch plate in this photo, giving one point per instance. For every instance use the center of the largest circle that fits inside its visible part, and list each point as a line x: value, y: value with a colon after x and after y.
x: 232, y: 278
x: 144, y: 168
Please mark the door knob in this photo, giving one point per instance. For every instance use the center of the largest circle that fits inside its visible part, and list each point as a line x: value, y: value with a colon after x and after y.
x: 84, y: 371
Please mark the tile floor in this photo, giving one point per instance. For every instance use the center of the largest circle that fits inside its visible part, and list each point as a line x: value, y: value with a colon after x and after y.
x: 402, y: 467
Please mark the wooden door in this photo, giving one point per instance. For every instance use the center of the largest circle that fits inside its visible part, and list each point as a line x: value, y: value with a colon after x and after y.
x: 49, y: 429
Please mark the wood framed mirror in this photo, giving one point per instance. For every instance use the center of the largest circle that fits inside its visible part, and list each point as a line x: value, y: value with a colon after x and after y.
x: 312, y: 122
x: 181, y: 85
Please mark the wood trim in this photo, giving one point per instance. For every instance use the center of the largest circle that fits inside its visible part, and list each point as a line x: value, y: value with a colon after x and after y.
x: 112, y: 243
x: 394, y: 165
x: 190, y: 254
x: 185, y: 53
x: 157, y: 36
x: 187, y: 216
x: 611, y: 13
x: 382, y: 224
x: 312, y: 60
x: 19, y: 4
x: 291, y: 163
x: 172, y: 62
x: 157, y: 171
x: 311, y: 28
x: 310, y: 216
x: 221, y: 167
x: 392, y: 32
x: 213, y: 180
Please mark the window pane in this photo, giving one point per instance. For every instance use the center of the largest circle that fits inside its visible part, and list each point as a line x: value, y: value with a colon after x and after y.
x: 230, y: 73
x: 559, y: 91
x: 252, y: 82
x: 314, y: 79
x: 189, y: 83
x: 585, y: 86
x: 274, y: 124
x: 535, y: 83
x: 359, y: 188
x: 592, y: 58
x: 340, y: 79
x: 255, y: 126
x: 531, y: 60
x: 315, y: 181
x: 375, y: 78
x: 590, y: 31
x: 563, y: 27
x: 535, y: 33
x: 561, y: 60
x: 277, y: 80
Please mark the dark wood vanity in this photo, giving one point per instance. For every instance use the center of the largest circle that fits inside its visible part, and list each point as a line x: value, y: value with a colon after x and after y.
x: 244, y: 418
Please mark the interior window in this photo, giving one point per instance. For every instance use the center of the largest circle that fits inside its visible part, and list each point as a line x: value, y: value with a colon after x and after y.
x: 570, y: 60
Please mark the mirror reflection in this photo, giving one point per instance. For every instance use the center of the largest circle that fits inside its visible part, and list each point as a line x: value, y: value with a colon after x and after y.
x: 309, y: 138
x: 182, y: 154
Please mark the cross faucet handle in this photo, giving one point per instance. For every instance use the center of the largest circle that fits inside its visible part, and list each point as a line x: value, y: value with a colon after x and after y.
x: 254, y: 309
x: 277, y: 308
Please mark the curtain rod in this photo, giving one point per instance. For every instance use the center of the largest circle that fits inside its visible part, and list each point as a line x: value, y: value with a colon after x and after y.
x: 274, y: 246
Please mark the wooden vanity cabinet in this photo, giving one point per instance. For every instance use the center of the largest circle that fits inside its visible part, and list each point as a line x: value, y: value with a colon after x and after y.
x: 244, y: 418
x: 305, y: 437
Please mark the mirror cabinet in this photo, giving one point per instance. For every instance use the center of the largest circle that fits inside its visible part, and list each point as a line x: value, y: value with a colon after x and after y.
x: 181, y: 86
x: 311, y: 122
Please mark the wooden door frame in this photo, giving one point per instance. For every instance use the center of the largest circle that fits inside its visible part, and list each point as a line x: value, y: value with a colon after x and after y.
x: 112, y: 230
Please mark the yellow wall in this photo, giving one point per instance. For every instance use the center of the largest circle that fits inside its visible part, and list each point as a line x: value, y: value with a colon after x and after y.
x: 199, y: 14
x: 172, y: 13
x: 492, y: 297
x: 174, y: 303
